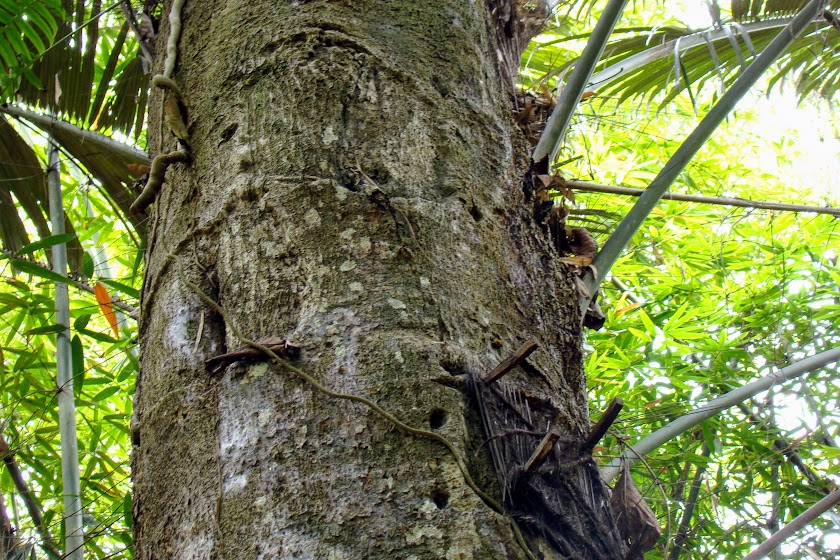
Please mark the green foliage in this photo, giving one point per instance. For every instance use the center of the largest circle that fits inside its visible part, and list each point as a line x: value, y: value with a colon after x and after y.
x: 712, y: 297
x: 660, y: 62
x: 104, y: 368
x: 81, y: 67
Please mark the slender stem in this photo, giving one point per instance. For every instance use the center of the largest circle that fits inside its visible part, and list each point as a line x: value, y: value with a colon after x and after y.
x: 690, y: 503
x: 798, y: 523
x: 128, y: 14
x: 74, y: 539
x: 716, y: 200
x: 712, y: 408
x: 560, y: 118
x: 614, y: 246
x: 132, y: 311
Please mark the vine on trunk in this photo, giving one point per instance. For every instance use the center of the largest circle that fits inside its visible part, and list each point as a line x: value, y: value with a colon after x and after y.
x: 399, y: 424
x: 175, y: 115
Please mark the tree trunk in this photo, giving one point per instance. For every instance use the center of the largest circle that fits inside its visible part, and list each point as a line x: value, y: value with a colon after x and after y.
x: 357, y: 187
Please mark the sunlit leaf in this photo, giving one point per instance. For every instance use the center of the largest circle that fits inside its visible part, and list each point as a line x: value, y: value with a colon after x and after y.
x: 38, y: 270
x: 50, y: 241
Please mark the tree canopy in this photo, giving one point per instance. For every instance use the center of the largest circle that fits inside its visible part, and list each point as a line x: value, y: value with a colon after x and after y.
x: 706, y: 298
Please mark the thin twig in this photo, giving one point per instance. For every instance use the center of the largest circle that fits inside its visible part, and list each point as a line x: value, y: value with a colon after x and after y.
x: 799, y: 522
x: 132, y: 311
x: 584, y: 186
x: 688, y: 510
x: 128, y: 14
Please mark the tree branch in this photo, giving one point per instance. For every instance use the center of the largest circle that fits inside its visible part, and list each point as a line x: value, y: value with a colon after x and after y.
x: 32, y: 506
x: 714, y: 407
x: 799, y: 522
x: 688, y: 511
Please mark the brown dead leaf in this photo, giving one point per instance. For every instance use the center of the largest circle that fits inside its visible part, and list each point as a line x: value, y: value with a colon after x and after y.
x: 582, y: 243
x: 576, y: 261
x: 137, y: 169
x: 626, y: 309
x: 546, y: 97
x: 636, y: 522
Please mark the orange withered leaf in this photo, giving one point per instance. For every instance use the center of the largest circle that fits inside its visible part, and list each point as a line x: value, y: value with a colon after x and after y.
x: 104, y: 300
x: 137, y: 169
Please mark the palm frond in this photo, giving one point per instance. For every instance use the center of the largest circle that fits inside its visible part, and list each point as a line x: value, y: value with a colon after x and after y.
x: 113, y: 164
x: 27, y: 27
x: 84, y: 75
x: 24, y: 178
x: 719, y: 53
x: 75, y: 72
x: 660, y: 62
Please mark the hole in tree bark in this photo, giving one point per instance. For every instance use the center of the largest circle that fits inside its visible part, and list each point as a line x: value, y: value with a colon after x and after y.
x: 452, y: 368
x: 437, y: 418
x: 440, y: 496
x: 475, y: 213
x: 229, y: 131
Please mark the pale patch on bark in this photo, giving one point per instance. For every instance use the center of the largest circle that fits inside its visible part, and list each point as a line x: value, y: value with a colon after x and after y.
x: 177, y: 329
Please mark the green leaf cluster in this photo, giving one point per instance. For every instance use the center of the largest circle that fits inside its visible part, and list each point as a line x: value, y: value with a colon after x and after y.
x: 706, y: 299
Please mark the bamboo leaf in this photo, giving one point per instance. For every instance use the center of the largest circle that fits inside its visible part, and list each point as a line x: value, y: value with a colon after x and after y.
x: 49, y: 241
x: 106, y: 393
x: 122, y: 287
x: 46, y: 329
x: 38, y: 270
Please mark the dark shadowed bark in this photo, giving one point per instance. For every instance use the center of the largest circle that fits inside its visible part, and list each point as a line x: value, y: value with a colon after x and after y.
x: 358, y: 188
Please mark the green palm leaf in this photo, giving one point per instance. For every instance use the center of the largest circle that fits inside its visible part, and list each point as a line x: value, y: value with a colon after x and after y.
x: 83, y: 75
x: 660, y: 62
x: 26, y: 28
x: 24, y: 177
x: 74, y: 74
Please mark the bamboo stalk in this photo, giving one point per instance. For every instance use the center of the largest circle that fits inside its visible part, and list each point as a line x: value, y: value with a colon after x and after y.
x: 799, y: 522
x: 74, y: 532
x: 560, y: 118
x: 714, y: 407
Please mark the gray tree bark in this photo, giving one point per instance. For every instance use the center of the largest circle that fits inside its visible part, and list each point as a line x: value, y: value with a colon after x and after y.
x: 356, y: 188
